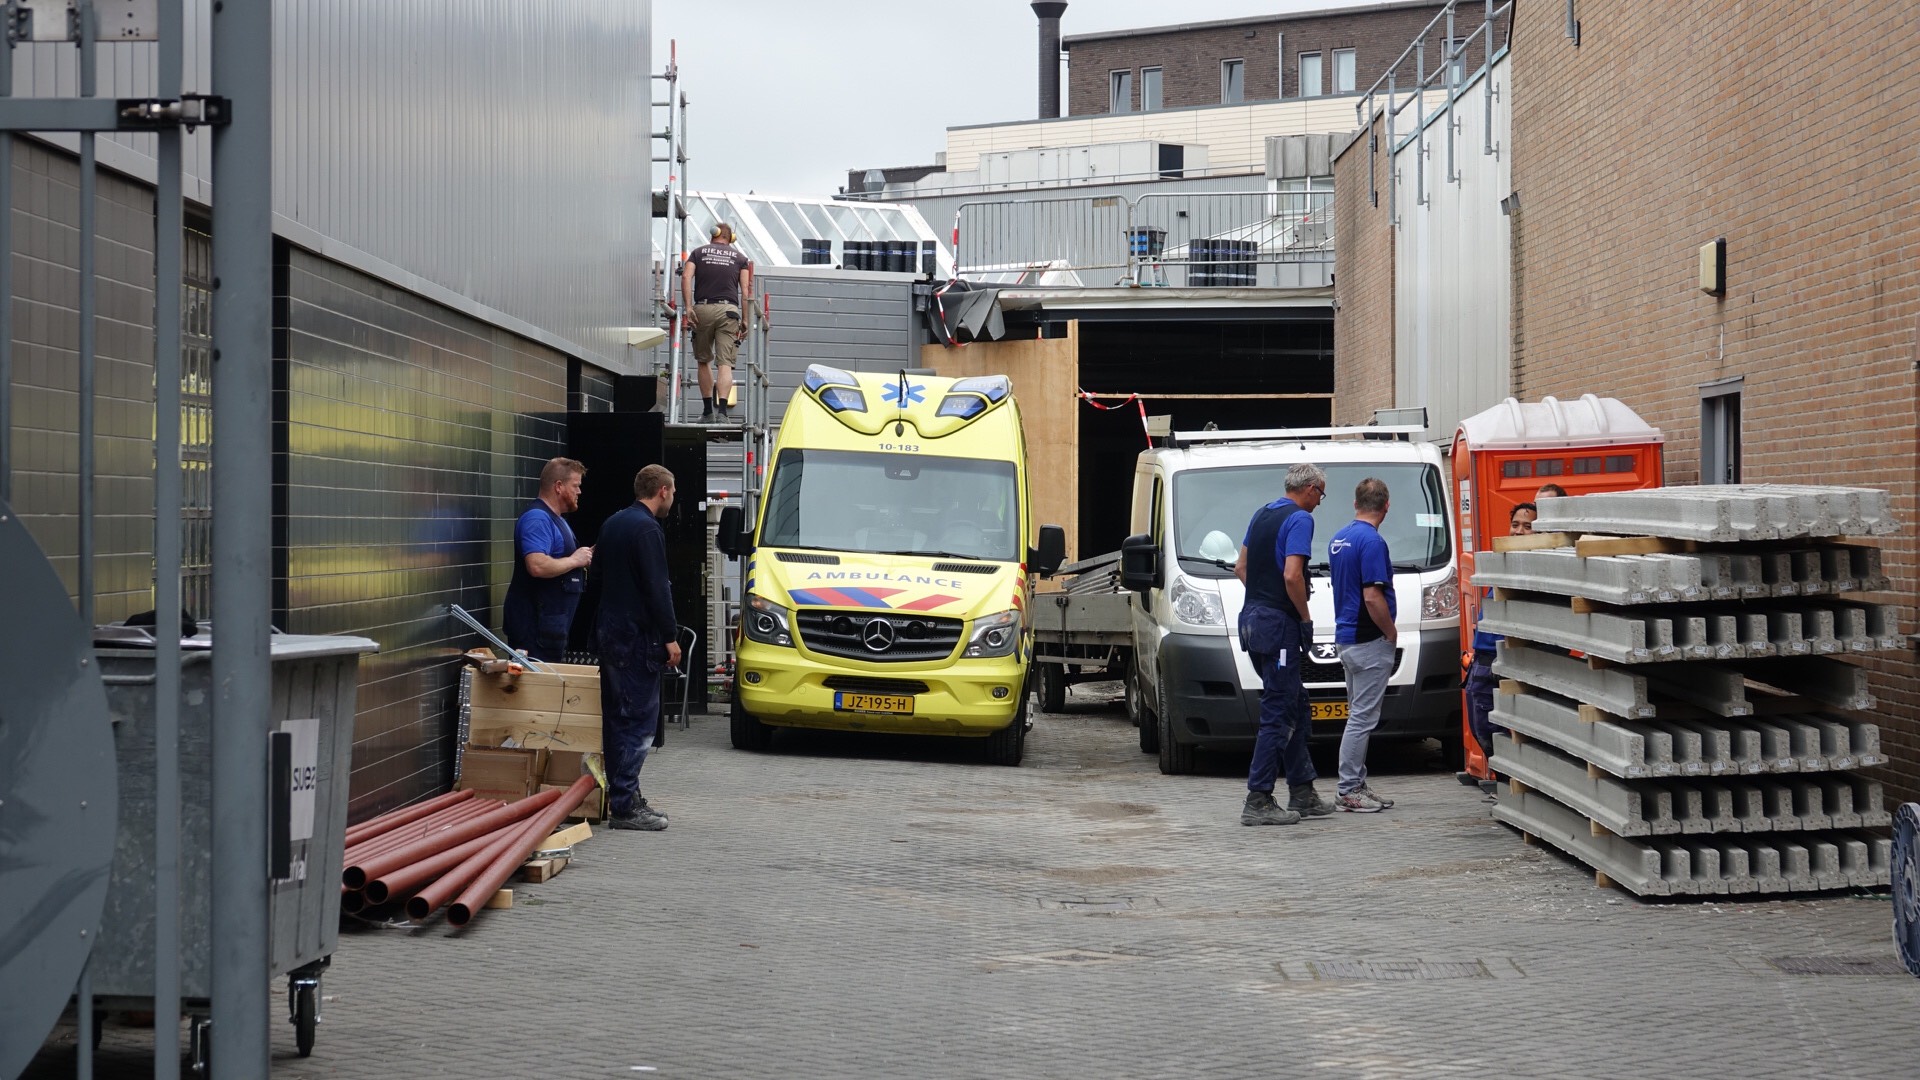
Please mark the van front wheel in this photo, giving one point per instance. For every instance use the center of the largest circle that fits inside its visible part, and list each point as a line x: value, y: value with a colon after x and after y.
x: 1009, y: 744
x: 1176, y: 758
x: 747, y: 731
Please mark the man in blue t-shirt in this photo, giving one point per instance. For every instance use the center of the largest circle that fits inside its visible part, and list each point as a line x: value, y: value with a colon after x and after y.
x: 1275, y: 632
x: 549, y: 567
x: 1364, y: 612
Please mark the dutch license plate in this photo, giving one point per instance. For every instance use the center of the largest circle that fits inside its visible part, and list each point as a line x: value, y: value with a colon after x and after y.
x: 1327, y: 710
x: 848, y: 701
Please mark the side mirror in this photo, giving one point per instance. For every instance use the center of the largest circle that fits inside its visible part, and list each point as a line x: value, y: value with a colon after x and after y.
x: 1139, y: 563
x: 732, y: 541
x: 1050, y: 552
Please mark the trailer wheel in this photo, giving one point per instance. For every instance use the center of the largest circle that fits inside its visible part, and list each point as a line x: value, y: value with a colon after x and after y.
x: 1142, y: 717
x: 1053, y: 687
x: 747, y: 731
x: 1176, y: 759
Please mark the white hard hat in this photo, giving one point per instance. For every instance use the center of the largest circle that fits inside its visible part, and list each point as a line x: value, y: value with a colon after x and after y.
x: 1218, y: 545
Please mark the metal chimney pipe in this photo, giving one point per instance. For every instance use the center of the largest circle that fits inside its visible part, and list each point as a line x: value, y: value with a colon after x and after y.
x: 1049, y: 12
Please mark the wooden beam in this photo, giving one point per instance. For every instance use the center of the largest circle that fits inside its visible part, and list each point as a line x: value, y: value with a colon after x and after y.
x: 567, y: 837
x: 1589, y: 546
x: 1508, y: 686
x: 1533, y: 541
x: 536, y: 871
x: 501, y: 899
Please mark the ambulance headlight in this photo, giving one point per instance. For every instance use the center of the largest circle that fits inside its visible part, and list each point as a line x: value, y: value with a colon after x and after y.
x: 767, y: 622
x: 994, y: 635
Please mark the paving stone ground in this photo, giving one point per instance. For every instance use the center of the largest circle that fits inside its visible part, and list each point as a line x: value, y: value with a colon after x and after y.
x: 860, y: 907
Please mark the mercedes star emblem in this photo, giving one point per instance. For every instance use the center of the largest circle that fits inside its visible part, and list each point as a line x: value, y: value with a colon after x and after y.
x: 877, y: 635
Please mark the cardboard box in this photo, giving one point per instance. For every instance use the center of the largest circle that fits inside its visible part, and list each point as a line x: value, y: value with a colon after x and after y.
x: 558, y: 709
x: 500, y: 772
x: 563, y: 767
x: 591, y: 808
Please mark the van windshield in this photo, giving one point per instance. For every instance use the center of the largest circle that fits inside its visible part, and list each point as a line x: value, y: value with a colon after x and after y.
x: 1211, y: 508
x: 902, y: 504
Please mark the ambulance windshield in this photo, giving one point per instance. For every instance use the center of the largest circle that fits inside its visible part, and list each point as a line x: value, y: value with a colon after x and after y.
x: 903, y: 504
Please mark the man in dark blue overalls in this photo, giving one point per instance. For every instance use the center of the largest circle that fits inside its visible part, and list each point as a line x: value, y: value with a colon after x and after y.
x: 638, y: 638
x: 1276, y: 633
x: 549, y: 566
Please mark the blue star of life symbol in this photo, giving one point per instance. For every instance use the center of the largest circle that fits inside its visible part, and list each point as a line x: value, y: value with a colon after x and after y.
x: 904, y: 394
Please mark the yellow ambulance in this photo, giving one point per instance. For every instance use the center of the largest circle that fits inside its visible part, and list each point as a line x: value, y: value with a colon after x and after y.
x: 888, y: 578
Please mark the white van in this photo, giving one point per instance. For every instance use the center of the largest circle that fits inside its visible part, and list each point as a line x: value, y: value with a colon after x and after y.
x: 1190, y: 685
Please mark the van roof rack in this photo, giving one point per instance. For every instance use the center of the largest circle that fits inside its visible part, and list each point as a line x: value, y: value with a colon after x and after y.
x: 1160, y: 430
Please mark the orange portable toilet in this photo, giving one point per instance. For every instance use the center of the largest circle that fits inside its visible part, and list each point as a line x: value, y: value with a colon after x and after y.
x: 1502, y: 456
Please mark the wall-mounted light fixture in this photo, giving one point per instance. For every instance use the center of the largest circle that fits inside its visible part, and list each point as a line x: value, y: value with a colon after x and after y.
x: 1510, y: 205
x: 1713, y: 267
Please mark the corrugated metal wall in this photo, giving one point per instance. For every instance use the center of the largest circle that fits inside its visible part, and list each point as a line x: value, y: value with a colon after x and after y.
x: 410, y: 438
x: 1452, y: 267
x: 497, y: 150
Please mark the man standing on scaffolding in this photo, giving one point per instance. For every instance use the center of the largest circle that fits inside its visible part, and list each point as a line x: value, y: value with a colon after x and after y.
x: 715, y: 282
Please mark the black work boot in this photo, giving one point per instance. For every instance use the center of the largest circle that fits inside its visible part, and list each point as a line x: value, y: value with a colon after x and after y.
x: 1262, y: 810
x: 1304, y: 800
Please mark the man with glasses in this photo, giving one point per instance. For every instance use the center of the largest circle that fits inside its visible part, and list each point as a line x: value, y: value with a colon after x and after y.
x: 1276, y: 633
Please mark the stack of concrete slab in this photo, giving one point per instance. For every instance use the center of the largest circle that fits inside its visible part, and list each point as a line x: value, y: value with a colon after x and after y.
x: 1680, y: 711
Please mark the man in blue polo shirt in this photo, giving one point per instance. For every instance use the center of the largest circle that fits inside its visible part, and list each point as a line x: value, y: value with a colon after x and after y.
x: 1276, y: 634
x: 549, y: 566
x: 1364, y: 611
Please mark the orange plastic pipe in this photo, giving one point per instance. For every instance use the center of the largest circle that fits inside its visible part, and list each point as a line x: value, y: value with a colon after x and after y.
x: 508, y: 861
x: 407, y: 878
x: 428, y: 900
x: 357, y: 874
x: 417, y: 830
x: 373, y: 827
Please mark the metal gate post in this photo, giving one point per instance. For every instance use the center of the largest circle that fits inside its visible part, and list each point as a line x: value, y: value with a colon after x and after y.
x: 168, y: 225
x: 6, y: 284
x: 242, y: 68
x: 89, y: 363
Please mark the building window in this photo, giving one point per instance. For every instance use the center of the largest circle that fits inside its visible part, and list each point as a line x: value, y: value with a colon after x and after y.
x: 1344, y: 71
x: 1120, y: 92
x: 1233, y: 81
x: 1311, y: 85
x: 1720, y: 432
x: 1149, y: 89
x: 1456, y: 60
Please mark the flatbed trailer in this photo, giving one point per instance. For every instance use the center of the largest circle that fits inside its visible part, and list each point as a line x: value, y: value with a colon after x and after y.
x: 1084, y: 631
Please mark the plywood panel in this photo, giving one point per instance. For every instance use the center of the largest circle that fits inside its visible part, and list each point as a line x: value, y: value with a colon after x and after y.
x: 1046, y: 379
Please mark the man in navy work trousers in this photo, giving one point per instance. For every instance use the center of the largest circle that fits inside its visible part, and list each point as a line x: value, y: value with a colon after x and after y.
x: 1364, y: 610
x: 638, y: 639
x: 549, y: 566
x: 1481, y: 681
x: 1276, y: 633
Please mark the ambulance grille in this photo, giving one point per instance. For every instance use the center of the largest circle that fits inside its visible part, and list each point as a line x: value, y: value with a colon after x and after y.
x: 807, y: 557
x: 902, y: 637
x: 965, y: 568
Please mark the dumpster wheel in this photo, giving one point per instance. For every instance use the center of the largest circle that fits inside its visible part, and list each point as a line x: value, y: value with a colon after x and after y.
x: 306, y: 1014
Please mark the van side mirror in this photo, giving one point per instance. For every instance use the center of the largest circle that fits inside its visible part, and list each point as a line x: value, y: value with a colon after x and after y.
x: 1050, y: 552
x: 733, y: 541
x: 1139, y: 563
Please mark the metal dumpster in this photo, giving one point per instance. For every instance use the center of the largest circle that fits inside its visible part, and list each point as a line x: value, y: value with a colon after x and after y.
x: 314, y: 684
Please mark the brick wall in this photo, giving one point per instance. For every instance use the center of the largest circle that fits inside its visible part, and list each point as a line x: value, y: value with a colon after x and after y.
x: 1671, y: 125
x: 1190, y: 59
x: 1363, y: 322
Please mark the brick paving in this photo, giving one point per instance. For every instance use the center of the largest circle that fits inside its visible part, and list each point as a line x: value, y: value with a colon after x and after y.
x: 852, y: 907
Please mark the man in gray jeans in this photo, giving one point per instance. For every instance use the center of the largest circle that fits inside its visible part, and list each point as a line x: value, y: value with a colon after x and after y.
x: 1364, y: 611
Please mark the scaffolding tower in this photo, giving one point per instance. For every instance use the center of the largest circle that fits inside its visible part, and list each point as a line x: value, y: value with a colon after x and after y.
x: 751, y: 424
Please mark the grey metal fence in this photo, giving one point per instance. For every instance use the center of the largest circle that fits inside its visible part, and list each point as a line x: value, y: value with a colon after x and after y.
x: 1268, y: 238
x: 212, y: 367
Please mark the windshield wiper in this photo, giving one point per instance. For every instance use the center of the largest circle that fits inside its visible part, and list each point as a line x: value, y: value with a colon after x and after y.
x: 937, y: 555
x: 1222, y: 564
x: 1413, y: 566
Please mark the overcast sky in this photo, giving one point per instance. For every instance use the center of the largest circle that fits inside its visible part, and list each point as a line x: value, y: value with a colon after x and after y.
x: 784, y: 96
